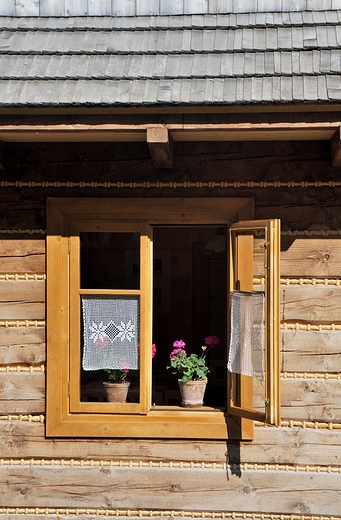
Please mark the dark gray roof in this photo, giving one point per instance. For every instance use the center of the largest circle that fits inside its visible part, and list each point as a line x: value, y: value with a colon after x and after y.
x: 188, y: 60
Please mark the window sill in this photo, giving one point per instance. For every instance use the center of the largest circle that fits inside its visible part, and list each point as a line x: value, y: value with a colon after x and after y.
x: 160, y: 422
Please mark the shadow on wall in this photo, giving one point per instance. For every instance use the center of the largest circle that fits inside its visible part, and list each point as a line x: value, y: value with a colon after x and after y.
x: 233, y: 459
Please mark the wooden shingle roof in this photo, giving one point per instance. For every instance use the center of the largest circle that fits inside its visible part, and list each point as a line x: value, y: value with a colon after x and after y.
x: 232, y: 59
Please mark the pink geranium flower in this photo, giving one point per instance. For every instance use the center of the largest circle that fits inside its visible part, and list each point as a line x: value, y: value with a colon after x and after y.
x: 179, y: 344
x: 125, y: 367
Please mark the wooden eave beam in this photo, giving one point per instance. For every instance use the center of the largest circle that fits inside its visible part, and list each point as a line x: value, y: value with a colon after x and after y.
x: 161, y: 146
x: 335, y: 148
x: 179, y: 132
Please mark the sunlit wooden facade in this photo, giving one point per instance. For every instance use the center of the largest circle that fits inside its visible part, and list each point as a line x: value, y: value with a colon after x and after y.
x: 274, y: 158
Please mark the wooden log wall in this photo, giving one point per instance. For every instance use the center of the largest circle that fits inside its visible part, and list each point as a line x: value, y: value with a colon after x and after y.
x: 291, y: 470
x: 156, y: 7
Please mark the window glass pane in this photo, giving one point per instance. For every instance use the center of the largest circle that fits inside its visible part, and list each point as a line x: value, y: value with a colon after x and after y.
x: 110, y: 260
x: 109, y: 324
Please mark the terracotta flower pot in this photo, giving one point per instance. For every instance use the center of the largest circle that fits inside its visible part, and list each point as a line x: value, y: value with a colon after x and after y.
x: 192, y: 393
x: 116, y: 392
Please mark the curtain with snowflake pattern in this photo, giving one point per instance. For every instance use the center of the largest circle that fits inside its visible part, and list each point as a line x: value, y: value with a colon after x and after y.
x: 110, y: 332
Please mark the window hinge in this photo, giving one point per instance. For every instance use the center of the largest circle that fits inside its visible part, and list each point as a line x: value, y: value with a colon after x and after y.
x: 68, y: 245
x: 68, y: 388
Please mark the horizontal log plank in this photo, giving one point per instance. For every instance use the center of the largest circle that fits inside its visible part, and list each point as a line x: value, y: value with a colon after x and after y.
x: 304, y: 257
x: 22, y: 345
x: 311, y: 303
x: 310, y: 257
x: 311, y: 399
x: 22, y: 256
x: 301, y: 213
x: 311, y: 351
x: 308, y: 303
x: 22, y: 299
x: 305, y: 399
x: 23, y: 439
x: 166, y: 488
x: 22, y: 393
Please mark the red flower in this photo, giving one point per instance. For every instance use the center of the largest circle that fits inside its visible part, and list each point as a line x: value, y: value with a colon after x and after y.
x: 212, y: 340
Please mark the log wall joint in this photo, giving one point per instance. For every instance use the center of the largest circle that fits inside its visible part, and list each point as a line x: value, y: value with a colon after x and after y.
x: 188, y: 465
x: 157, y: 514
x: 165, y: 185
x: 20, y: 277
x: 22, y: 323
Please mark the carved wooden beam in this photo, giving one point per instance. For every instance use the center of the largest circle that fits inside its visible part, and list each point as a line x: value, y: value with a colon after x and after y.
x: 2, y: 155
x: 161, y: 146
x: 335, y: 147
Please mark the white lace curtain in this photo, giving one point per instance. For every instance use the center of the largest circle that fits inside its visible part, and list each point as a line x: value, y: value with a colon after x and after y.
x: 110, y: 332
x: 246, y: 352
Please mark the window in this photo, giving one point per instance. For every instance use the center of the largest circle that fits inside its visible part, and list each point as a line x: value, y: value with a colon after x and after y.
x: 164, y: 265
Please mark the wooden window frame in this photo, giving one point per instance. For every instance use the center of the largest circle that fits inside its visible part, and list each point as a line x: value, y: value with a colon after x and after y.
x: 66, y: 416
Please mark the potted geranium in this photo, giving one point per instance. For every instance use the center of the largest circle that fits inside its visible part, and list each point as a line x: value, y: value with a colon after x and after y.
x: 192, y: 371
x: 116, y: 386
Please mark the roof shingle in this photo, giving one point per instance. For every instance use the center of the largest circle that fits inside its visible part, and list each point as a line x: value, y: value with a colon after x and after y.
x: 221, y: 59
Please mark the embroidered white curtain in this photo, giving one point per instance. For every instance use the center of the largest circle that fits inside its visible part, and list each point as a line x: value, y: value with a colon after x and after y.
x: 110, y: 332
x: 246, y: 352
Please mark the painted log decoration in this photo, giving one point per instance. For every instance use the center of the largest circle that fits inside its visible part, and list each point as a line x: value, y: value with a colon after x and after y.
x: 232, y: 478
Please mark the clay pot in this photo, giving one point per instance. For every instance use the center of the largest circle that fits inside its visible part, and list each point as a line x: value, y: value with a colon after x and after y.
x: 116, y: 392
x: 192, y: 393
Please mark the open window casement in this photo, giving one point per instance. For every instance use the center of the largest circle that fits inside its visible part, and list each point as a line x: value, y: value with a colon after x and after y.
x: 254, y: 351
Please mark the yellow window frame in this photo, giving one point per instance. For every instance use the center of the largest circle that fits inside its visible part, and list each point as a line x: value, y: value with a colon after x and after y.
x: 66, y: 416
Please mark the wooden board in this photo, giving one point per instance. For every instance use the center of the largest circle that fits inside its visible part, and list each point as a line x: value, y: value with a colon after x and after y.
x: 311, y: 351
x: 99, y: 7
x: 26, y: 8
x: 19, y: 256
x: 147, y: 7
x: 7, y: 8
x: 305, y: 398
x: 51, y: 8
x: 170, y: 7
x: 270, y: 445
x: 171, y: 489
x: 310, y: 257
x: 22, y: 393
x: 304, y: 257
x: 76, y: 7
x: 308, y: 303
x: 22, y: 345
x: 195, y: 6
x: 22, y: 299
x: 311, y: 399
